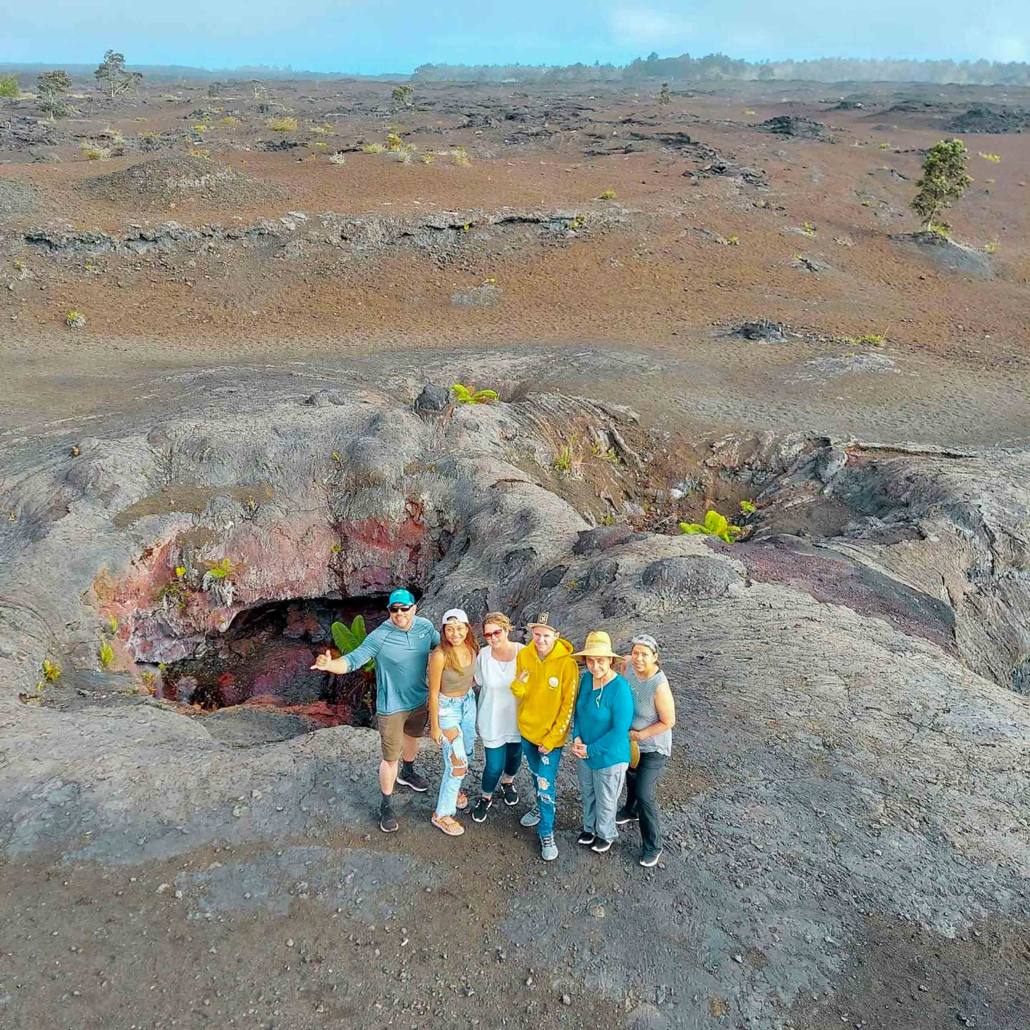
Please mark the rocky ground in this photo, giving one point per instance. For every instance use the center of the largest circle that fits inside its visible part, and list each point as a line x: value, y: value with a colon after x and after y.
x: 848, y: 815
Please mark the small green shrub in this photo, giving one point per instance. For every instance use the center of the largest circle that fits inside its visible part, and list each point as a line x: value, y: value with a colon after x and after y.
x: 808, y: 228
x: 403, y: 95
x: 222, y: 569
x: 93, y: 151
x: 148, y: 679
x: 993, y: 158
x: 51, y: 671
x: 373, y: 148
x: 9, y: 87
x: 992, y: 247
x: 75, y: 320
x: 563, y: 461
x: 229, y: 121
x: 871, y: 340
x: 714, y: 525
x: 605, y: 453
x: 467, y: 395
x: 112, y: 624
x: 461, y: 157
x: 349, y: 638
x: 607, y: 195
x: 282, y: 124
x: 747, y: 508
x: 733, y: 241
x: 105, y: 654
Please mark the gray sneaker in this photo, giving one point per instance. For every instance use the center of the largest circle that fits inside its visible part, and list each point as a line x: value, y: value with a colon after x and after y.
x: 532, y: 817
x: 548, y: 849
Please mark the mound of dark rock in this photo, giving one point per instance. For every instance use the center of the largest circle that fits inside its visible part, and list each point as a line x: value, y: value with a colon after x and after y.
x: 991, y: 120
x: 161, y: 181
x: 794, y: 127
x: 947, y: 255
x: 17, y: 198
x: 762, y: 329
x: 18, y: 132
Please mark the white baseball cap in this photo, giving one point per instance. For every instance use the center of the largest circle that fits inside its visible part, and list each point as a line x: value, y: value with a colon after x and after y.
x: 456, y: 615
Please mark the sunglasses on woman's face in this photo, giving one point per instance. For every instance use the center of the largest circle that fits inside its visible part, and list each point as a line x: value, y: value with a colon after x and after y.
x: 394, y: 608
x: 496, y: 633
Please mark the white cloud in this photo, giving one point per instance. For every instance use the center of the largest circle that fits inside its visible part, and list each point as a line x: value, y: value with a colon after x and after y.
x: 649, y: 28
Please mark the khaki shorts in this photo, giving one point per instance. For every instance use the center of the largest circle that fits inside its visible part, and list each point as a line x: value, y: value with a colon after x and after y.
x: 397, y: 725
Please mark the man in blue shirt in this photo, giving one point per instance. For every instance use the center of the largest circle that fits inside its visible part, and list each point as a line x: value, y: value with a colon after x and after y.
x: 400, y: 647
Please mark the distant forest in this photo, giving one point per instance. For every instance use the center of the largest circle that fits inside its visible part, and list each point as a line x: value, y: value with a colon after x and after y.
x: 718, y: 66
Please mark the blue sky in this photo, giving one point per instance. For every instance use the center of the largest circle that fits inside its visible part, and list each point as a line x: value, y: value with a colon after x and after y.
x: 397, y: 35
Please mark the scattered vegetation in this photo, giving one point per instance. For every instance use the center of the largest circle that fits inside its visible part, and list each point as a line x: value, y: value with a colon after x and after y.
x: 992, y: 247
x: 229, y: 121
x: 427, y: 159
x: 50, y: 87
x: 350, y: 638
x: 198, y: 152
x: 808, y: 228
x: 714, y: 525
x: 9, y: 87
x: 944, y: 180
x: 608, y: 194
x: 323, y: 129
x: 339, y: 158
x: 885, y: 146
x: 747, y: 508
x: 105, y: 654
x: 75, y: 320
x: 564, y: 461
x: 461, y: 157
x: 51, y: 671
x: 112, y: 623
x: 148, y: 679
x: 282, y: 123
x: 113, y: 77
x: 92, y: 151
x: 373, y: 148
x: 605, y: 453
x: 664, y: 96
x: 199, y: 127
x: 468, y: 395
x: 993, y: 158
x: 733, y: 241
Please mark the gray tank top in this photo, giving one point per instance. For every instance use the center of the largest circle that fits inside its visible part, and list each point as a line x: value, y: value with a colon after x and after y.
x: 456, y: 683
x: 644, y: 711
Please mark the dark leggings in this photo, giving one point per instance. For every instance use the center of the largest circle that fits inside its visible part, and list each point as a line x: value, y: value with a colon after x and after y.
x: 506, y: 758
x: 640, y: 799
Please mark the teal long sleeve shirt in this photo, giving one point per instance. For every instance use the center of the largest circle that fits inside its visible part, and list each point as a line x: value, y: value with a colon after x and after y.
x: 401, y: 658
x: 602, y: 721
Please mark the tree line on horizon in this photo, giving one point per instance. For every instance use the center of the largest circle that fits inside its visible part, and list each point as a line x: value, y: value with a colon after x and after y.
x: 720, y: 66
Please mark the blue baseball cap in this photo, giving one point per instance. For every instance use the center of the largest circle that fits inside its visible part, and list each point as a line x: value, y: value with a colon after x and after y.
x: 400, y: 597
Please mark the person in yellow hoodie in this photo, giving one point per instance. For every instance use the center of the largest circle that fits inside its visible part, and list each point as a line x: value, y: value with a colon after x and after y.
x: 545, y: 683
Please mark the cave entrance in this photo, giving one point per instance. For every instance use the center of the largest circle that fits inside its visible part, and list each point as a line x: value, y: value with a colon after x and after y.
x: 263, y: 661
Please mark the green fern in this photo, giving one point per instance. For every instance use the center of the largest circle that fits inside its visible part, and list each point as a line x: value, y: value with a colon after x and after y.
x: 747, y: 508
x: 713, y: 525
x: 105, y: 654
x: 223, y: 569
x: 466, y: 395
x: 350, y: 638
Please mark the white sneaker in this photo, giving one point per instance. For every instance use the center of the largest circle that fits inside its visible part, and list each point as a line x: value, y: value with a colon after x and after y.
x: 548, y: 849
x: 532, y: 817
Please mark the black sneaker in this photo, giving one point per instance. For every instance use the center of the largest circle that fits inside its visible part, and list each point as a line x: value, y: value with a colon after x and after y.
x: 482, y: 807
x: 600, y: 845
x: 650, y: 858
x: 624, y: 815
x: 387, y: 820
x: 412, y: 779
x: 586, y: 839
x: 509, y: 793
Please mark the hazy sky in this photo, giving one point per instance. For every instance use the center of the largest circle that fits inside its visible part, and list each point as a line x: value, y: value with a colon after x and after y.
x: 396, y: 35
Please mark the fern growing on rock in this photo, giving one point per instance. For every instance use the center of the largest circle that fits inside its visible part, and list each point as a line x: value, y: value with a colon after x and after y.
x: 714, y: 525
x: 350, y: 638
x: 467, y: 395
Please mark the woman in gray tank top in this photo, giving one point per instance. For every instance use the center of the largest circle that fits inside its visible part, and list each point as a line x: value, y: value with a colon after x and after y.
x: 654, y: 715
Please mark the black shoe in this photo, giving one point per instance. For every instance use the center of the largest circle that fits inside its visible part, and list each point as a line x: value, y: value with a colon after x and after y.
x: 650, y: 858
x: 586, y: 839
x: 509, y: 793
x: 387, y: 820
x: 624, y: 815
x: 601, y: 845
x: 412, y: 779
x: 482, y: 807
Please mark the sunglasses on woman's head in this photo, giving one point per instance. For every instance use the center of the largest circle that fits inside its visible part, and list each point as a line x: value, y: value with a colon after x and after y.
x: 400, y: 608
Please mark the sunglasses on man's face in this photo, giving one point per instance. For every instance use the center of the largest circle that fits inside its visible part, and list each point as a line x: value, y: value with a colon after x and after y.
x: 394, y: 608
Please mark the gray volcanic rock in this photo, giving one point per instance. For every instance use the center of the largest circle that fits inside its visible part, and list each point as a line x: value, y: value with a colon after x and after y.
x: 848, y: 743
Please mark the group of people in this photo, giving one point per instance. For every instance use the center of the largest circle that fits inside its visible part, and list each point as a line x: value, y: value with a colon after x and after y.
x: 527, y: 701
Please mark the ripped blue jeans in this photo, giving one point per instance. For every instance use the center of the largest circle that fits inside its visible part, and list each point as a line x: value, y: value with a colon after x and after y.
x: 544, y: 769
x: 456, y: 713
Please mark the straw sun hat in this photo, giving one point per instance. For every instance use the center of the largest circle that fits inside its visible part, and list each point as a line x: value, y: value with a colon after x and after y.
x: 598, y: 645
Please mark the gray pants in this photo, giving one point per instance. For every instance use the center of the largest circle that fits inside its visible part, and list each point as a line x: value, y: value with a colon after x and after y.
x: 601, y: 789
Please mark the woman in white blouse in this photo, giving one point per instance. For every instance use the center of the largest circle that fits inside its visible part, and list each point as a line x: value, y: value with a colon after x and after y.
x: 498, y: 714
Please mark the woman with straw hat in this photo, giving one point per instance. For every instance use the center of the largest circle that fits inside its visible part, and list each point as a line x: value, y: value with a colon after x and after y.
x: 600, y: 731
